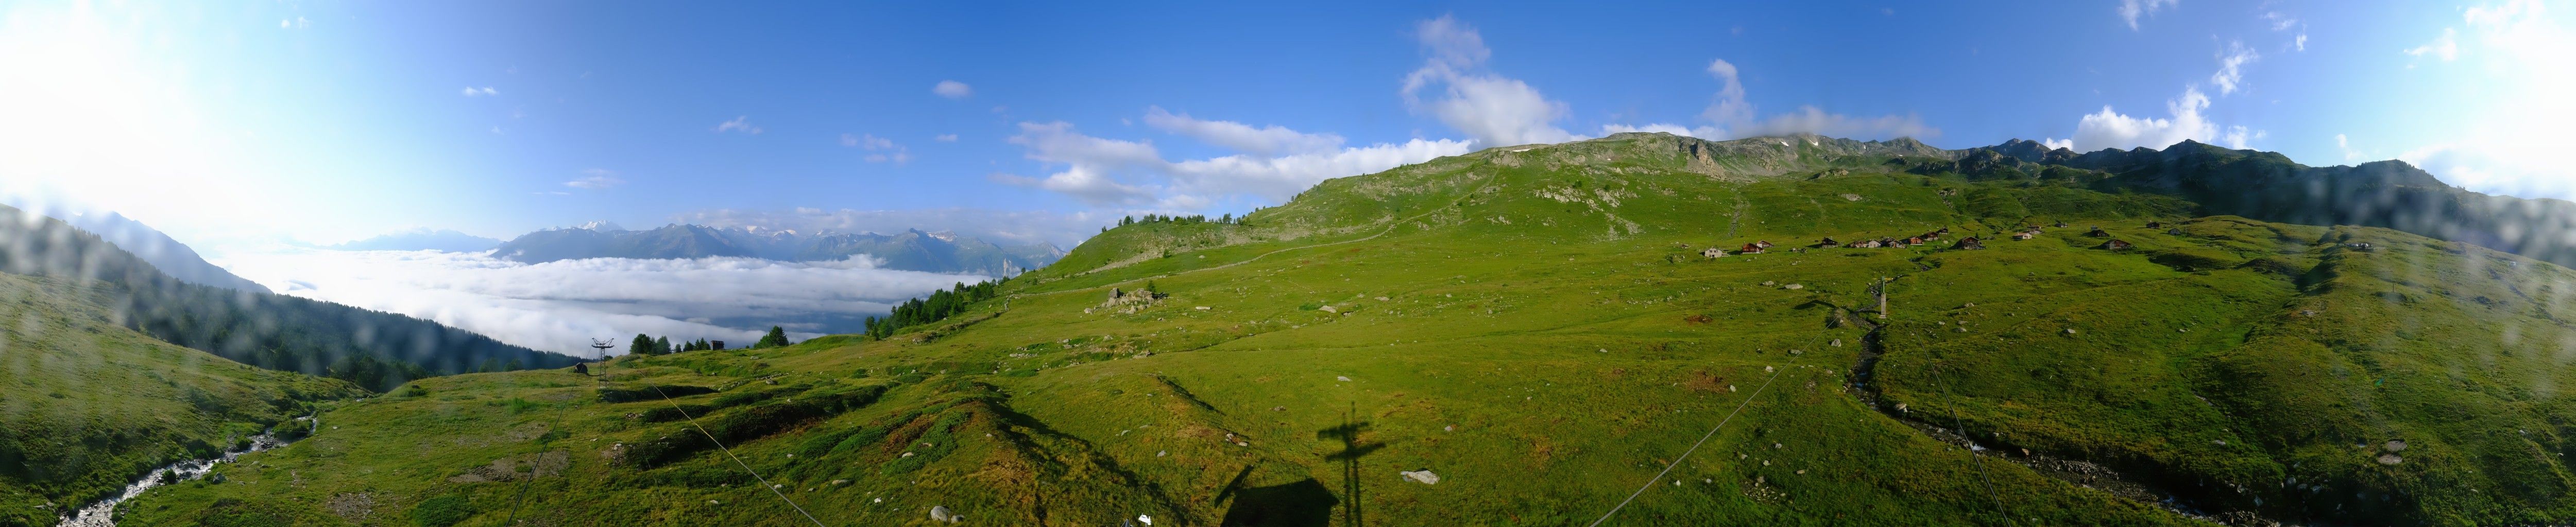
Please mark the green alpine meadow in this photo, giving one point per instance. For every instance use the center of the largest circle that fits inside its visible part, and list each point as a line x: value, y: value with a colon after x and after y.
x: 581, y: 263
x: 1531, y: 335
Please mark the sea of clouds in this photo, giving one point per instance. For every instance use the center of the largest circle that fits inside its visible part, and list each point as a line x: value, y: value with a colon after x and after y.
x: 560, y: 306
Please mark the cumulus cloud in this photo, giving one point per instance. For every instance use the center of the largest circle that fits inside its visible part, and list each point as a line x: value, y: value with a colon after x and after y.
x: 2345, y: 145
x: 2111, y: 129
x: 1065, y: 229
x: 945, y: 138
x: 952, y: 90
x: 559, y: 306
x: 595, y: 179
x: 2238, y: 137
x: 1730, y: 116
x: 740, y: 123
x: 1279, y: 178
x: 2231, y: 67
x: 1094, y: 167
x: 1241, y: 137
x: 471, y: 91
x: 2131, y: 10
x: 1495, y: 110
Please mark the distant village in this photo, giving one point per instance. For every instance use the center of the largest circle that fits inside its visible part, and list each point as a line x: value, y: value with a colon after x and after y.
x: 1969, y: 243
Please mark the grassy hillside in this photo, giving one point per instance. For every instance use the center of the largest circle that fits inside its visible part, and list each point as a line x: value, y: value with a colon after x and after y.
x: 1537, y: 327
x: 89, y: 405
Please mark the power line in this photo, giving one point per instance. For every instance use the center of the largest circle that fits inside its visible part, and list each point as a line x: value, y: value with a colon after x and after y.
x: 522, y: 499
x: 746, y: 467
x: 1677, y: 460
x: 1961, y: 424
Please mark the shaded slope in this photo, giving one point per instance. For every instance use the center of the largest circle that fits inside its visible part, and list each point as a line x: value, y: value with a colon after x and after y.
x: 88, y: 405
x: 375, y: 349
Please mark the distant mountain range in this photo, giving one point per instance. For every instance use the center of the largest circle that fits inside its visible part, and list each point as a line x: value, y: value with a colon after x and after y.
x: 912, y: 250
x: 422, y: 240
x: 170, y: 256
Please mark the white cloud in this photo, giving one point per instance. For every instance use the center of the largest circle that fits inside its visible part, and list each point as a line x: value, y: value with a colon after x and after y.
x: 1280, y: 178
x: 1268, y: 140
x: 471, y: 91
x: 2514, y: 108
x: 559, y: 306
x: 887, y: 150
x: 1095, y: 166
x: 1730, y: 116
x: 2280, y: 22
x: 294, y: 23
x: 2302, y: 42
x: 595, y: 179
x: 1065, y: 229
x: 945, y: 138
x: 2446, y: 47
x: 2068, y: 144
x: 2231, y: 67
x: 1495, y: 110
x: 2111, y: 129
x: 2130, y: 10
x: 740, y: 123
x: 2238, y: 137
x: 953, y: 90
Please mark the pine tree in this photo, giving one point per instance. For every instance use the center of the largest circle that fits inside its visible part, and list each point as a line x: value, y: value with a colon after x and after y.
x: 662, y: 344
x: 642, y: 345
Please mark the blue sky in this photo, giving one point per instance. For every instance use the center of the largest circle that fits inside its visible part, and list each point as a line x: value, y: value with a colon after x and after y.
x: 326, y: 121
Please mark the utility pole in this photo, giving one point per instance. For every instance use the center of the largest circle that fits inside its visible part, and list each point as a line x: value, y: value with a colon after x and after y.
x: 1882, y: 296
x: 603, y: 347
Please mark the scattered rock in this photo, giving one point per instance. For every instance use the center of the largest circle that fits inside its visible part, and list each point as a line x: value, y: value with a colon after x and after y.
x: 2070, y: 331
x: 939, y: 513
x: 2395, y: 445
x: 1343, y: 378
x: 1423, y: 475
x: 1768, y: 283
x: 1328, y: 309
x: 1793, y: 286
x: 1201, y: 308
x: 1838, y: 343
x: 1449, y: 428
x: 1161, y: 453
x: 1851, y: 197
x: 840, y: 482
x: 1279, y: 408
x: 2390, y: 459
x: 1381, y: 299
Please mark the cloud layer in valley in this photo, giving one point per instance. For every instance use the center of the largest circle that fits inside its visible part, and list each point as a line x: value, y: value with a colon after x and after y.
x: 559, y: 306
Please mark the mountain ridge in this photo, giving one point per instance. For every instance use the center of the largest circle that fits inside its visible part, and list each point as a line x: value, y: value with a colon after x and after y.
x: 912, y: 250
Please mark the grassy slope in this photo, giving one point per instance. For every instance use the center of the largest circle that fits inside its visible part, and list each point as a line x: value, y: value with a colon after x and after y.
x: 1518, y: 323
x: 89, y: 404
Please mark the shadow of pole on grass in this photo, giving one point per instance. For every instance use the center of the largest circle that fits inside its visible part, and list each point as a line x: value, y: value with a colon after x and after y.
x: 1352, y: 450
